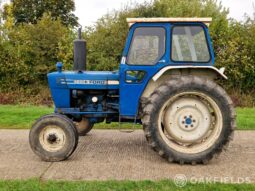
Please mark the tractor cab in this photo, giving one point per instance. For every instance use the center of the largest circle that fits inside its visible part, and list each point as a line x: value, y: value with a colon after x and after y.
x: 153, y: 44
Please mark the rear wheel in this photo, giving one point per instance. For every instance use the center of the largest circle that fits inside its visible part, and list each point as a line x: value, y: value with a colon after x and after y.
x: 53, y: 137
x: 188, y: 120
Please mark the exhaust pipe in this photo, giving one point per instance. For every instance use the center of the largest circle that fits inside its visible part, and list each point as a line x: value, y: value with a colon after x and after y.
x: 79, y: 52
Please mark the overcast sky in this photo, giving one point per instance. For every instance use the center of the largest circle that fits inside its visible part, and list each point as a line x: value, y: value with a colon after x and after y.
x: 89, y: 11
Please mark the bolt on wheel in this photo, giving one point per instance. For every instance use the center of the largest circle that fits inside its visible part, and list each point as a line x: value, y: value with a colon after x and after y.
x: 190, y: 122
x: 53, y: 137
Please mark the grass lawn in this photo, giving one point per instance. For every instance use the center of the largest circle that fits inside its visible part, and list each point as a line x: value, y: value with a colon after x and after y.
x: 35, y: 184
x: 22, y: 117
x: 246, y: 118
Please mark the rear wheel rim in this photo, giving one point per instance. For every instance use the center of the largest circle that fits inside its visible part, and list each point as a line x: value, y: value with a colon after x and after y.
x: 190, y: 122
x: 52, y: 138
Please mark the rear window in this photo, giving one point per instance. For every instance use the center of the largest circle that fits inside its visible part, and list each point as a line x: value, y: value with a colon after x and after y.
x: 189, y: 44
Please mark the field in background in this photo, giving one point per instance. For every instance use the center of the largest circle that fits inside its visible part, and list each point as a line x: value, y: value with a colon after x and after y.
x: 23, y: 116
x: 34, y: 184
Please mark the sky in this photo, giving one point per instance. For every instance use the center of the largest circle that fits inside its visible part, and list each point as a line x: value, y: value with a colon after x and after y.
x: 89, y: 11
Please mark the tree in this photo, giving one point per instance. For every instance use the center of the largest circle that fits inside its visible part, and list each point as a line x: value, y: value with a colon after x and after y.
x: 31, y: 51
x: 30, y: 11
x: 237, y: 54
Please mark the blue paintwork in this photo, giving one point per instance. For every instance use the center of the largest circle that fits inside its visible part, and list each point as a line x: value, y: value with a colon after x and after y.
x: 209, y: 41
x: 130, y: 93
x: 77, y: 111
x: 188, y: 121
x: 63, y: 82
x: 59, y: 66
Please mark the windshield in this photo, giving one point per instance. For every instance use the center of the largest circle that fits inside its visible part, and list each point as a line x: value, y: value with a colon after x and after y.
x: 147, y: 46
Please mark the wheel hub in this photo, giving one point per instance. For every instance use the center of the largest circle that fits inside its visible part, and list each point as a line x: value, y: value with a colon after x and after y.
x: 52, y: 138
x: 187, y: 120
x: 188, y: 123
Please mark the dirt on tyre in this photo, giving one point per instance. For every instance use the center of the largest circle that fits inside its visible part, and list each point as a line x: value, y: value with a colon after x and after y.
x: 83, y: 127
x: 53, y: 137
x: 188, y: 120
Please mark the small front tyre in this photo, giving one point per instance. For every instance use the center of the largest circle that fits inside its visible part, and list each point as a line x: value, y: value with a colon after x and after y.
x: 83, y: 127
x: 53, y: 137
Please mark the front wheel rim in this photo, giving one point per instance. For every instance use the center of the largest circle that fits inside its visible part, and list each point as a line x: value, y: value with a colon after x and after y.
x: 52, y: 138
x: 190, y: 122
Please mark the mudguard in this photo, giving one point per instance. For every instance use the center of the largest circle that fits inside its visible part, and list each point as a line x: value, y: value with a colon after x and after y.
x: 217, y: 71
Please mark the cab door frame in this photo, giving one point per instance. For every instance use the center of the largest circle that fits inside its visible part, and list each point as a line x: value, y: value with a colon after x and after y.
x: 130, y: 93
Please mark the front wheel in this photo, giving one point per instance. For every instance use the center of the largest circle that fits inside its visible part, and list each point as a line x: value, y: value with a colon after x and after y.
x: 53, y: 137
x: 188, y: 120
x: 83, y: 127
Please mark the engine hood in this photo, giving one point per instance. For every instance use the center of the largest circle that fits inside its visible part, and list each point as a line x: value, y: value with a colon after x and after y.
x: 84, y: 80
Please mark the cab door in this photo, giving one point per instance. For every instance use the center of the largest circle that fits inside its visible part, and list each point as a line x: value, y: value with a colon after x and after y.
x: 145, y: 53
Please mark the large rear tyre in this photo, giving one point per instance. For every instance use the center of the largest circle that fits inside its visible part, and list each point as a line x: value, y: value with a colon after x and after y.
x: 53, y: 137
x: 188, y: 120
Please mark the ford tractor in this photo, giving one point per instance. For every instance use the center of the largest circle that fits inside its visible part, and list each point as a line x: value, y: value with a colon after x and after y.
x: 166, y: 81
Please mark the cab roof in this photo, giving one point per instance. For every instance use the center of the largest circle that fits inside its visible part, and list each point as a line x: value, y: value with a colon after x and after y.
x: 205, y: 20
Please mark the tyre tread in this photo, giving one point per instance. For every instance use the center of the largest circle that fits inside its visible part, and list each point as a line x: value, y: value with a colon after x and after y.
x: 173, y: 85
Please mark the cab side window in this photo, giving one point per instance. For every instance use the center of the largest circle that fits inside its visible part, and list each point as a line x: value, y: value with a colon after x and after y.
x: 189, y: 44
x: 147, y: 46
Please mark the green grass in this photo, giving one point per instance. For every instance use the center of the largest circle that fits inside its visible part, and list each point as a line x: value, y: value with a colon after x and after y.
x: 22, y: 117
x: 35, y: 184
x: 19, y: 116
x: 246, y: 118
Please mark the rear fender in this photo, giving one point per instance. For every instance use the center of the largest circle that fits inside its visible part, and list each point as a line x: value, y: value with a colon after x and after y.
x: 169, y: 72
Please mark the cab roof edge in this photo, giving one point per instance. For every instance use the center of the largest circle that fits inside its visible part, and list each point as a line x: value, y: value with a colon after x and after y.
x: 205, y: 20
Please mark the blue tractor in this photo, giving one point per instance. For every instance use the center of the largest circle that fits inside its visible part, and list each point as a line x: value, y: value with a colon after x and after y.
x: 166, y: 81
